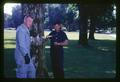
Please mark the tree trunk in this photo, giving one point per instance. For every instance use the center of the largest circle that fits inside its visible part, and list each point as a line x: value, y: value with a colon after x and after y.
x: 37, y: 11
x: 83, y: 26
x: 83, y: 31
x: 92, y: 27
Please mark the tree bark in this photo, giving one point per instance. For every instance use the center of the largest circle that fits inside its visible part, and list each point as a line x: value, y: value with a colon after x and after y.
x: 92, y: 27
x: 83, y: 25
x: 83, y: 31
x: 37, y: 11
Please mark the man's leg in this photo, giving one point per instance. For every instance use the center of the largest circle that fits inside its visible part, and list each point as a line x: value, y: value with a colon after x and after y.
x: 60, y: 58
x: 21, y: 71
x: 53, y: 60
x: 31, y: 71
x: 57, y: 62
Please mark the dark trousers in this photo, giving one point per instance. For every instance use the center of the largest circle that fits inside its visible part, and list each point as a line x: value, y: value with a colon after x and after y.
x: 57, y: 57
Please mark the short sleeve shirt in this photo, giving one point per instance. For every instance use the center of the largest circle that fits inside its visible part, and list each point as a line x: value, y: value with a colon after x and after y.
x: 58, y: 37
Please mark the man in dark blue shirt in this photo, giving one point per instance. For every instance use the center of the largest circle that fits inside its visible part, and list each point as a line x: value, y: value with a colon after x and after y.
x: 58, y: 40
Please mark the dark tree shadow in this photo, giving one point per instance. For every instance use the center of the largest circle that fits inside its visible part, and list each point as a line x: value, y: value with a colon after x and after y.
x: 9, y: 40
x: 96, y: 61
x: 9, y: 63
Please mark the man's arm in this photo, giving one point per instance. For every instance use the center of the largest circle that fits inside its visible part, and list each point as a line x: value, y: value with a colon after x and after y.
x: 65, y: 42
x: 22, y: 42
x: 62, y: 43
x: 23, y: 48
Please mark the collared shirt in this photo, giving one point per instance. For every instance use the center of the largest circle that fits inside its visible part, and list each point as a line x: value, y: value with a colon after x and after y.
x: 26, y: 28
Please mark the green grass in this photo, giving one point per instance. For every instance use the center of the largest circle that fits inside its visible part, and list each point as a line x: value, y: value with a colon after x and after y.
x: 91, y: 62
x: 96, y: 61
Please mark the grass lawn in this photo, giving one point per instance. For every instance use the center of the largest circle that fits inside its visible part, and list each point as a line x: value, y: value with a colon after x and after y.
x: 96, y: 61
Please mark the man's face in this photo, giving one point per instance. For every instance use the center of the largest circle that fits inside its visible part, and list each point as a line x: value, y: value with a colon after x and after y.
x: 29, y: 22
x: 57, y: 27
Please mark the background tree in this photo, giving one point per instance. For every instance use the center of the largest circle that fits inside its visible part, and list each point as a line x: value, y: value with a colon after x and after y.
x: 8, y: 21
x: 94, y: 13
x: 17, y: 16
x: 55, y: 13
x: 65, y: 13
x: 71, y: 17
x: 83, y: 19
x: 107, y: 20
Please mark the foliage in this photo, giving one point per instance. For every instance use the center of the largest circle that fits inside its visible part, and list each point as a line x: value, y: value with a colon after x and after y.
x: 8, y: 21
x: 68, y: 14
x: 17, y: 15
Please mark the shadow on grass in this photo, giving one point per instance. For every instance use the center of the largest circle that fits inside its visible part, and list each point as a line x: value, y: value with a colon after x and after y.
x: 96, y: 61
x: 9, y: 41
x: 9, y: 63
x: 92, y: 61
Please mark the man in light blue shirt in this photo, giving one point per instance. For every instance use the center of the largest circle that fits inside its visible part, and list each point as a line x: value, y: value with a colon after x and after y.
x: 25, y: 67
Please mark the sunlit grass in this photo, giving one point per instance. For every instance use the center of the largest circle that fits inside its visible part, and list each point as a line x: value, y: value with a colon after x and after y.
x: 75, y: 36
x: 9, y: 38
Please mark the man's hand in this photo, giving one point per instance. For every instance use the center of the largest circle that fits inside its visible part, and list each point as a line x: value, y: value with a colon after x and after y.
x: 56, y: 43
x: 48, y: 36
x: 61, y: 43
x: 27, y: 59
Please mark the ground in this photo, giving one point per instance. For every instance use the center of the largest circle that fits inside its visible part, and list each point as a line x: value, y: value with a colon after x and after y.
x: 96, y: 61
